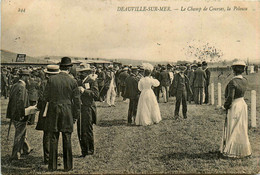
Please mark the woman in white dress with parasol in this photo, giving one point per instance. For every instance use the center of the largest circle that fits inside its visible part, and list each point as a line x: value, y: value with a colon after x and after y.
x: 148, y: 111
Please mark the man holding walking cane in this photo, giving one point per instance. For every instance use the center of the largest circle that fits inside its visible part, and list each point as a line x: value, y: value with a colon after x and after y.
x: 17, y: 112
x: 89, y: 93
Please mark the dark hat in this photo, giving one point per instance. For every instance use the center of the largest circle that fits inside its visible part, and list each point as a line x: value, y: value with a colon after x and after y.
x: 52, y: 69
x: 204, y: 63
x: 34, y: 72
x: 141, y: 67
x: 182, y: 68
x: 169, y: 65
x: 4, y: 70
x: 163, y: 67
x: 65, y: 61
x: 24, y: 72
x: 199, y: 64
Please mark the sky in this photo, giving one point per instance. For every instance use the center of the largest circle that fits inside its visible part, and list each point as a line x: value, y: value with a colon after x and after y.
x: 95, y: 29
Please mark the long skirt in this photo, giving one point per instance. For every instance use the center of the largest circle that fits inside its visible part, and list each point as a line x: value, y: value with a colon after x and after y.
x: 235, y: 141
x: 148, y: 111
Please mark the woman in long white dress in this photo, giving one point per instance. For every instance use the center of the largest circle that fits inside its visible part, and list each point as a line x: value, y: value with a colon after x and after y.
x: 148, y: 111
x: 235, y: 141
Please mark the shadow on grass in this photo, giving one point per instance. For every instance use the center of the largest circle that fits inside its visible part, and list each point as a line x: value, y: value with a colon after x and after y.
x: 108, y: 123
x: 183, y: 155
x: 27, y: 164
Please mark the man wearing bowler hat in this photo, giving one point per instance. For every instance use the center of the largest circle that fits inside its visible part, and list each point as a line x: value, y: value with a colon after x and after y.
x: 63, y: 96
x: 17, y: 104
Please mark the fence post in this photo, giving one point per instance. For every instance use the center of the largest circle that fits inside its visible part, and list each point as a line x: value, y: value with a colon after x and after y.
x: 219, y: 94
x: 212, y: 94
x: 253, y: 108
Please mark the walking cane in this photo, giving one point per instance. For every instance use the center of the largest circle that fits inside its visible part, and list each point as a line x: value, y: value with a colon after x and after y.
x: 9, y: 128
x: 101, y: 92
x: 80, y: 126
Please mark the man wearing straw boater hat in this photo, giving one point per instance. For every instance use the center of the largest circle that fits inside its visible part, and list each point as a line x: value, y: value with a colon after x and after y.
x: 89, y: 93
x: 63, y: 96
x: 18, y: 102
x: 41, y: 105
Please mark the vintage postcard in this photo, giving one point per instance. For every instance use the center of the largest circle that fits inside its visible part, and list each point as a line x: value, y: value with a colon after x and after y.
x: 133, y: 86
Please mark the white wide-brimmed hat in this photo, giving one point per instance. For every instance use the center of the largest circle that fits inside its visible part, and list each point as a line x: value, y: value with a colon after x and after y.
x: 52, y: 69
x: 84, y: 67
x: 239, y: 63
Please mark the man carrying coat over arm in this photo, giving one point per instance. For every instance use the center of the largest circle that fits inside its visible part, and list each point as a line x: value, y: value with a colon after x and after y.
x: 63, y: 96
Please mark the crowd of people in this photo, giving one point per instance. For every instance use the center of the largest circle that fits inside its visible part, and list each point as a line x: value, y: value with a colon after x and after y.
x: 65, y: 95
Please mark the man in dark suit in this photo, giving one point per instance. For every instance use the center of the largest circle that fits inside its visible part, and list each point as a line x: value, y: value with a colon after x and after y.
x: 156, y: 75
x: 180, y: 89
x: 206, y: 89
x: 198, y: 84
x: 101, y: 82
x: 63, y: 96
x: 132, y: 92
x: 4, y: 83
x: 41, y: 105
x: 190, y: 75
x: 122, y: 77
x: 165, y: 82
x: 33, y: 87
x: 89, y: 93
x: 18, y: 101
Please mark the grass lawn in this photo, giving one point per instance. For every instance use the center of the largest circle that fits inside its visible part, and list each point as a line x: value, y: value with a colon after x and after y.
x: 172, y: 146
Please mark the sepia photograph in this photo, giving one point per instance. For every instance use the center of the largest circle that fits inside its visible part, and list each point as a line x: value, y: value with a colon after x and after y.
x: 130, y: 87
